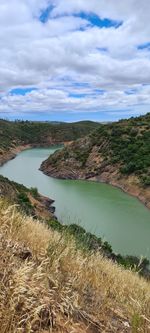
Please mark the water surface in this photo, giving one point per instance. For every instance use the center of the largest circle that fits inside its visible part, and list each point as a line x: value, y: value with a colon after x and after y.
x: 100, y: 208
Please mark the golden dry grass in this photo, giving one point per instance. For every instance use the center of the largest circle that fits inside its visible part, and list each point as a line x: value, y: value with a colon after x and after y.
x: 47, y: 285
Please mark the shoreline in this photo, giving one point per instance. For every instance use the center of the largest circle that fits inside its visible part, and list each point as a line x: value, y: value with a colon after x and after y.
x: 127, y: 185
x: 124, y: 189
x: 13, y: 152
x: 129, y: 188
x: 43, y: 205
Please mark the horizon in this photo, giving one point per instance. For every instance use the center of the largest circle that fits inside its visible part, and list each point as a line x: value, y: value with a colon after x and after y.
x: 74, y: 60
x: 54, y: 121
x: 68, y: 119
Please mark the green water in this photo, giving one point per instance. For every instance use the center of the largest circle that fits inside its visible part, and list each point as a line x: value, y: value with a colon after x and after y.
x: 102, y: 209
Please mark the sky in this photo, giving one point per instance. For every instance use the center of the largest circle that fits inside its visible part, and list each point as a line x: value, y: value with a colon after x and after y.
x: 70, y: 60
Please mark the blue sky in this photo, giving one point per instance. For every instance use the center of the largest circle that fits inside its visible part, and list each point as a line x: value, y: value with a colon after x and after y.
x: 69, y: 60
x: 21, y: 91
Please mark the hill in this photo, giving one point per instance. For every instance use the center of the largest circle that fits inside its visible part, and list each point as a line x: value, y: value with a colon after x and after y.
x: 19, y: 134
x: 116, y: 153
x: 48, y: 284
x: 28, y: 200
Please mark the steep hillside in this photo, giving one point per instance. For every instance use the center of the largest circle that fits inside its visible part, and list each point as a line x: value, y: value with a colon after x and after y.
x: 48, y: 285
x: 20, y: 133
x: 117, y: 153
x: 28, y: 200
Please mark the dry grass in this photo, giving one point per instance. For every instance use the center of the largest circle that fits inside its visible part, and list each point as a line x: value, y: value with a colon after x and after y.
x: 47, y: 285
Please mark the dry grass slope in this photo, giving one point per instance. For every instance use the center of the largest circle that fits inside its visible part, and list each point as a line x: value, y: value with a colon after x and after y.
x: 47, y: 285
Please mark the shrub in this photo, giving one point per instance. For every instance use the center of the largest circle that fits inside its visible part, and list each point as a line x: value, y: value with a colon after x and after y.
x: 34, y: 192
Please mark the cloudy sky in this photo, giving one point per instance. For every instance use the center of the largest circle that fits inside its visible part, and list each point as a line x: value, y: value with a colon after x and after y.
x: 74, y: 59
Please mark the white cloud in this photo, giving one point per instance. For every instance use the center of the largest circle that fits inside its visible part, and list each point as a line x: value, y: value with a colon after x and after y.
x: 67, y: 49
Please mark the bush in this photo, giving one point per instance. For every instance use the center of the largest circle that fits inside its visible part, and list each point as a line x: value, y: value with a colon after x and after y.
x: 128, y: 169
x: 55, y: 225
x: 25, y: 203
x: 146, y: 180
x: 34, y: 192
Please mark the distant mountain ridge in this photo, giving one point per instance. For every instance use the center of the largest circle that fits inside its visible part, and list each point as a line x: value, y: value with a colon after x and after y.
x: 26, y: 132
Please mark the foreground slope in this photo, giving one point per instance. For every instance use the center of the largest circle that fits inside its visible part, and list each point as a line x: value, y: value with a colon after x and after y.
x: 117, y: 153
x: 48, y: 285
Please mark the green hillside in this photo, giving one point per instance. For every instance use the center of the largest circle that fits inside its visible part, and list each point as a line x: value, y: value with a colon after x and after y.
x: 41, y: 133
x: 115, y: 153
x: 125, y: 144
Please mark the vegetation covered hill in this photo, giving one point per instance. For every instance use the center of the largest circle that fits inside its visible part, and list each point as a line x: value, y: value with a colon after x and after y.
x: 118, y: 153
x: 41, y: 133
x: 47, y: 284
x: 28, y: 200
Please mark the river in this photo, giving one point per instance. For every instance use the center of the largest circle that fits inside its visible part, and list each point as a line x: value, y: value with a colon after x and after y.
x: 100, y: 208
